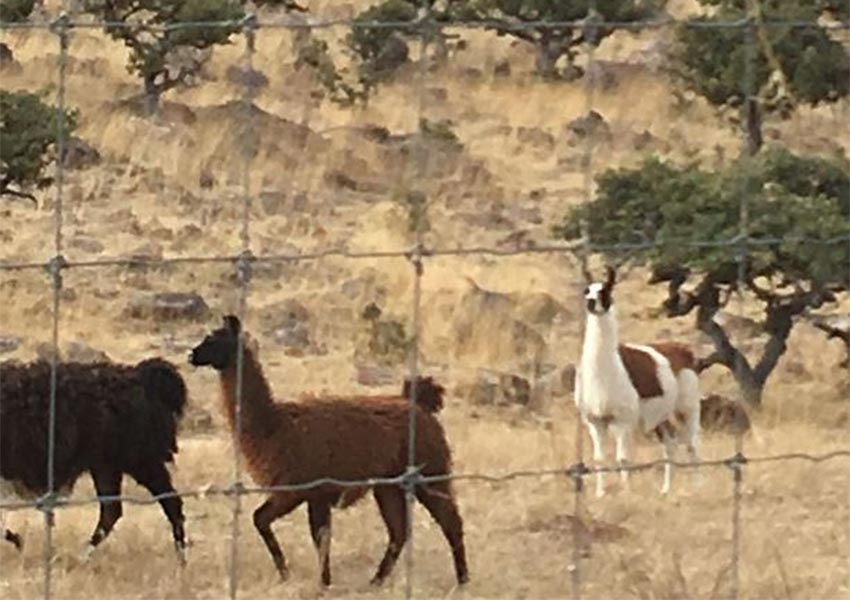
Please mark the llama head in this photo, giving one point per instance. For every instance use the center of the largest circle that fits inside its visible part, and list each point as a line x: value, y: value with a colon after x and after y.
x: 220, y: 347
x: 429, y: 393
x: 599, y: 296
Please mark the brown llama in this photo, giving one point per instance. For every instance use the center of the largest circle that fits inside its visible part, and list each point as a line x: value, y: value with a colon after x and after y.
x: 351, y: 438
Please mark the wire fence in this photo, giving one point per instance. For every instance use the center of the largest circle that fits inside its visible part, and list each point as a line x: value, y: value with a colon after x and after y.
x: 418, y: 255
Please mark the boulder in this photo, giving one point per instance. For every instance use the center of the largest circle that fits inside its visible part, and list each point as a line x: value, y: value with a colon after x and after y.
x: 81, y: 352
x: 495, y: 388
x: 9, y: 344
x: 592, y: 125
x: 718, y: 413
x: 170, y: 306
x: 79, y: 154
x: 7, y: 57
x: 377, y: 375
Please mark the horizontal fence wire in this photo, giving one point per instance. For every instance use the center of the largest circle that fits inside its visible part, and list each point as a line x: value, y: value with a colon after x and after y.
x: 284, y: 23
x: 415, y: 478
x: 580, y: 249
x: 574, y: 248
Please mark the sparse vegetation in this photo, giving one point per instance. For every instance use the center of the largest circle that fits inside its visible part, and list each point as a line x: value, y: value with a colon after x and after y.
x: 14, y: 11
x: 795, y: 261
x: 764, y: 68
x: 165, y: 49
x: 576, y: 25
x: 29, y: 129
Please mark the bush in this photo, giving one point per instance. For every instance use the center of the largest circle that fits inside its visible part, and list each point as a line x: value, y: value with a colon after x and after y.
x: 13, y: 11
x: 29, y: 128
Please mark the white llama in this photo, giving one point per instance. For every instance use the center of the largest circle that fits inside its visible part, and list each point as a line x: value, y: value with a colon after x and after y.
x: 623, y: 386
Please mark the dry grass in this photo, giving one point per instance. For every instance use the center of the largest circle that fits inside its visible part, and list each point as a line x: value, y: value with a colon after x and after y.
x: 519, y: 534
x: 146, y: 195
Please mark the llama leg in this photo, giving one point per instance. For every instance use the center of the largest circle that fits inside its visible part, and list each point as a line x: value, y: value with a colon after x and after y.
x: 106, y: 483
x: 692, y: 423
x: 621, y: 435
x: 320, y: 529
x: 157, y: 480
x: 9, y: 535
x: 13, y: 538
x: 269, y: 511
x: 689, y: 405
x: 667, y: 436
x: 598, y: 430
x: 437, y: 499
x: 391, y: 503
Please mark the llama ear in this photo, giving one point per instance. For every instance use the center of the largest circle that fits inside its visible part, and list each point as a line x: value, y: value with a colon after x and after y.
x: 588, y: 277
x: 231, y: 323
x: 612, y: 276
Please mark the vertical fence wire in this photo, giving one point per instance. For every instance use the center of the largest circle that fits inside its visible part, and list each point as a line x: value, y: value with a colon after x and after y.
x: 751, y: 108
x: 416, y: 205
x: 61, y: 28
x: 243, y: 273
x: 578, y: 473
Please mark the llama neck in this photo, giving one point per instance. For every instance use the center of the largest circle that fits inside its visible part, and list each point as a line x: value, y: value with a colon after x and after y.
x: 600, y: 336
x: 256, y: 398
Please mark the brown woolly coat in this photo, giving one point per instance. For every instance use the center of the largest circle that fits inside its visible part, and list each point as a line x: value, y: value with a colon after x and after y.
x: 341, y: 438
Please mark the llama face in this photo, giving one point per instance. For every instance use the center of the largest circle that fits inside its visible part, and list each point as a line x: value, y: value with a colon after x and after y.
x: 599, y: 296
x: 219, y: 348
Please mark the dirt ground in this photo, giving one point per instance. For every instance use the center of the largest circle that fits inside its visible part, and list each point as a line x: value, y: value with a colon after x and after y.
x: 320, y: 179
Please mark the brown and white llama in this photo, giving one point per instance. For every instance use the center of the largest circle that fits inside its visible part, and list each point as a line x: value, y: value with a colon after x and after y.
x: 340, y: 438
x: 623, y: 387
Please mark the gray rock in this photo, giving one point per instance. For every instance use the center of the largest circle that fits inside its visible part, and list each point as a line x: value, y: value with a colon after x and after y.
x: 7, y: 57
x: 45, y: 351
x: 535, y: 137
x: 273, y: 202
x: 86, y: 244
x: 502, y: 68
x: 79, y: 154
x: 9, y: 343
x: 82, y: 352
x: 248, y: 77
x: 170, y: 306
x: 592, y: 124
x: 375, y: 376
x: 496, y: 388
x: 718, y: 413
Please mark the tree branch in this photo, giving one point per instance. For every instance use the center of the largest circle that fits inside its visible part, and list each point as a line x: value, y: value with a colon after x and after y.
x: 7, y: 191
x: 780, y: 320
x: 833, y: 332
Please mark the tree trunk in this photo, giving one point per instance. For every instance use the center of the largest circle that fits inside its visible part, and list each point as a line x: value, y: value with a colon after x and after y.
x: 752, y: 125
x: 152, y: 93
x: 751, y: 389
x: 548, y: 53
x: 750, y: 379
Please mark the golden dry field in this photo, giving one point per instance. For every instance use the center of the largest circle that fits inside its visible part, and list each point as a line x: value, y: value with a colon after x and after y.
x: 171, y: 186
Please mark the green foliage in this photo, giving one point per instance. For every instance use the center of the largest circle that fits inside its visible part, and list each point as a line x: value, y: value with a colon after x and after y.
x: 289, y: 5
x: 314, y: 53
x: 154, y: 29
x: 791, y: 200
x: 28, y: 129
x: 377, y: 51
x: 512, y: 17
x: 439, y: 130
x: 713, y: 60
x: 370, y: 42
x: 14, y: 11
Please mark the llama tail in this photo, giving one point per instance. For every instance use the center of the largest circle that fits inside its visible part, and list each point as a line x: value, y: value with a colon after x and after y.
x: 162, y: 381
x: 429, y: 394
